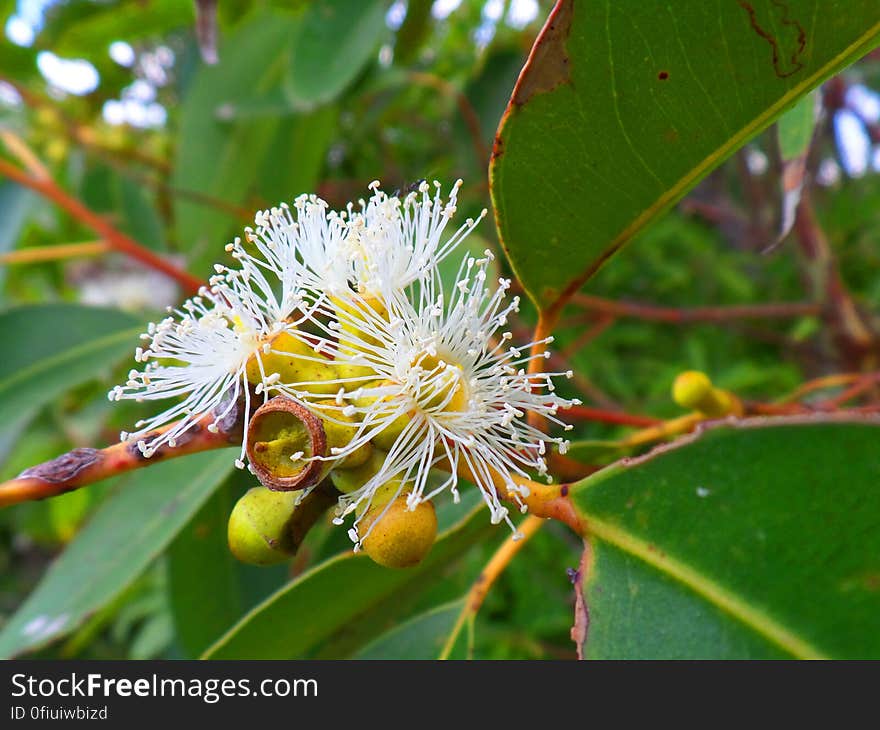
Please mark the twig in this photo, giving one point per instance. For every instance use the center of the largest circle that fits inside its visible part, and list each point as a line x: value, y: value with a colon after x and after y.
x: 851, y: 332
x: 468, y: 113
x: 19, y: 149
x: 117, y: 240
x: 826, y: 381
x: 585, y: 413
x: 684, y: 315
x: 81, y: 467
x: 596, y: 327
x: 494, y: 568
x: 53, y: 253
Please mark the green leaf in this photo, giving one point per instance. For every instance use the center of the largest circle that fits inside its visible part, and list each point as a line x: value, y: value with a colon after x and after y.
x: 422, y: 637
x: 796, y: 128
x: 218, y: 153
x: 105, y: 190
x: 346, y: 600
x: 335, y: 41
x: 199, y: 565
x: 624, y: 106
x: 51, y: 348
x: 296, y: 156
x: 413, y: 31
x: 16, y: 204
x: 86, y: 29
x: 741, y: 542
x: 128, y: 531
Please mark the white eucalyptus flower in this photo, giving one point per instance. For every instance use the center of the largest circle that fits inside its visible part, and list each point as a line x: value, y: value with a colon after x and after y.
x: 440, y: 383
x: 393, y: 242
x: 200, y: 356
x: 378, y: 248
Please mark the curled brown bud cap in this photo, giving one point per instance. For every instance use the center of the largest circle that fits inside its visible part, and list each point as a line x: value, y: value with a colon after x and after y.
x: 282, y: 435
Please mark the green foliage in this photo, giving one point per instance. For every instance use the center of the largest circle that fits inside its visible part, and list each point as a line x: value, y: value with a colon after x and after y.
x: 740, y: 543
x: 132, y: 527
x: 625, y: 106
x: 56, y: 347
x: 754, y: 540
x: 358, y: 599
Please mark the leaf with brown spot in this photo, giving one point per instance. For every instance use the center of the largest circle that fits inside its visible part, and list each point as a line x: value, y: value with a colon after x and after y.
x: 622, y: 107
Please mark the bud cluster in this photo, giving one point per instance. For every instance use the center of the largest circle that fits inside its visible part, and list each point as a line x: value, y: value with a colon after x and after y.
x: 354, y: 362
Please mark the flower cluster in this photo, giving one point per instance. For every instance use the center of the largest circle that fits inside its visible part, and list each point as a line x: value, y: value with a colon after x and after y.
x: 346, y: 315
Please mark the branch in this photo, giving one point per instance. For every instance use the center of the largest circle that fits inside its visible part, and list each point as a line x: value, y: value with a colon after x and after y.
x: 54, y: 252
x: 585, y: 413
x: 494, y: 568
x: 117, y: 240
x: 81, y: 467
x: 684, y: 315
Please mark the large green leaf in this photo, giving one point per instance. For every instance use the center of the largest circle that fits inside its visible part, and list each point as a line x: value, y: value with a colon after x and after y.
x: 348, y: 599
x: 50, y: 348
x: 743, y: 542
x: 333, y: 44
x: 128, y: 531
x: 623, y: 106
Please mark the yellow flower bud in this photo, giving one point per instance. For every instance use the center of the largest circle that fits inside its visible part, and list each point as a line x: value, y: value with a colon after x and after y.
x: 693, y: 390
x: 348, y: 311
x: 339, y: 436
x: 355, y: 335
x: 399, y: 538
x: 386, y: 438
x: 449, y: 393
x: 258, y: 526
x: 286, y: 359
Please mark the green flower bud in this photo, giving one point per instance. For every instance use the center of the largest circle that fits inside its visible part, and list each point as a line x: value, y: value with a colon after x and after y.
x: 258, y: 527
x: 397, y: 537
x: 348, y: 479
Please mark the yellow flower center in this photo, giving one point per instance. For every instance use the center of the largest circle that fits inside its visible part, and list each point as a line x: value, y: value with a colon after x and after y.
x: 441, y: 385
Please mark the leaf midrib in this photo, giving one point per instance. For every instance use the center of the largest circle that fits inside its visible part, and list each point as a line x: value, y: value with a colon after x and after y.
x: 703, y: 586
x: 60, y: 358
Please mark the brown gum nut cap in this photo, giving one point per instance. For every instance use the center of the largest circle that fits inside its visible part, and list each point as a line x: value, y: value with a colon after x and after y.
x: 277, y: 429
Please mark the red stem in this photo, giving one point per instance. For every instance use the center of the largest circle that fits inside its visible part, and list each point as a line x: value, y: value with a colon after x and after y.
x: 117, y: 240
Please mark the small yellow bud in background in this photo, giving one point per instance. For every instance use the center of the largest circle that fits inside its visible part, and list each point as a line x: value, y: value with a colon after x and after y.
x: 285, y: 359
x: 693, y: 390
x: 399, y: 538
x: 257, y: 532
